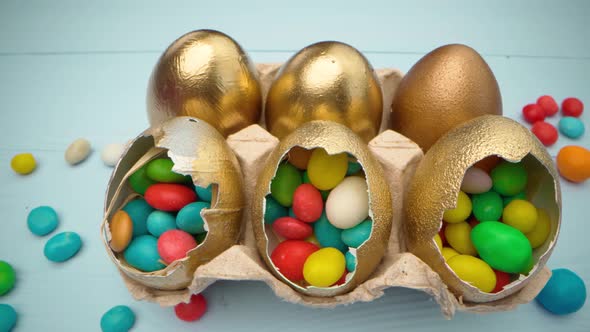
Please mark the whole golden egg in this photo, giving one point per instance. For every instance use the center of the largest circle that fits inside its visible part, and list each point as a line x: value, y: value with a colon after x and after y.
x: 437, y: 182
x: 207, y: 75
x: 197, y: 149
x: 325, y: 81
x: 447, y: 87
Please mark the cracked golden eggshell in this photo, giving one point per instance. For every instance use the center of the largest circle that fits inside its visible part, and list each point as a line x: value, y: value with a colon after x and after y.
x: 437, y: 182
x: 207, y: 75
x: 197, y: 149
x: 447, y: 87
x: 334, y: 138
x: 325, y: 81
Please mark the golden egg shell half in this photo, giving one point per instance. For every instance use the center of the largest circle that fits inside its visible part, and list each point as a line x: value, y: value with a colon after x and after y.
x: 325, y: 81
x: 207, y: 75
x: 197, y: 149
x: 334, y: 138
x: 437, y: 182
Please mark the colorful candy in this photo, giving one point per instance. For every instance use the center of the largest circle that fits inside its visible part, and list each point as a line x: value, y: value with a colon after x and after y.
x: 292, y: 229
x: 502, y: 280
x: 117, y: 319
x: 458, y: 237
x: 448, y: 253
x: 42, y: 220
x: 111, y: 153
x: 545, y: 132
x: 139, y: 210
x: 509, y: 179
x: 299, y: 157
x: 273, y: 210
x: 190, y: 219
x: 142, y: 254
x: 503, y: 247
x: 169, y: 196
x: 354, y: 237
x: 521, y: 215
x: 205, y: 194
x: 308, y: 204
x: 476, y: 181
x: 175, y: 244
x: 507, y: 199
x: 573, y: 163
x: 290, y: 256
x: 8, y: 317
x: 159, y: 222
x: 571, y: 127
x: 350, y: 261
x: 328, y: 235
x: 77, y: 151
x: 62, y: 247
x: 487, y: 206
x: 326, y: 171
x: 538, y: 235
x: 564, y: 293
x: 7, y: 277
x: 23, y: 163
x: 438, y: 242
x: 461, y: 212
x: 160, y: 170
x: 572, y: 107
x: 192, y: 311
x: 284, y: 184
x: 139, y: 181
x: 548, y: 104
x: 474, y: 271
x: 348, y: 203
x: 324, y: 267
x: 121, y: 228
x: 533, y: 113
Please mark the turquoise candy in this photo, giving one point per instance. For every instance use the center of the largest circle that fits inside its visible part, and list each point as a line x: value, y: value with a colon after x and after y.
x: 118, y: 319
x: 508, y: 199
x: 200, y: 238
x: 205, y: 194
x: 564, y: 293
x: 284, y: 183
x: 292, y: 213
x: 487, y: 206
x: 503, y: 247
x: 324, y: 193
x: 353, y: 166
x: 508, y: 178
x: 189, y: 218
x: 139, y: 181
x: 357, y: 235
x: 159, y: 221
x: 350, y: 261
x: 8, y: 317
x: 138, y: 210
x: 42, y: 220
x: 273, y: 210
x: 142, y: 254
x: 328, y: 235
x: 62, y: 246
x: 571, y: 127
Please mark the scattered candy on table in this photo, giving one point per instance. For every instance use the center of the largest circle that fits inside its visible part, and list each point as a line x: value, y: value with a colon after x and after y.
x: 192, y: 311
x: 42, y: 220
x: 111, y: 153
x: 564, y: 293
x: 62, y: 246
x: 7, y: 277
x: 548, y: 104
x: 533, y: 113
x: 77, y: 151
x: 8, y: 317
x: 117, y: 319
x: 573, y: 163
x: 571, y: 127
x: 545, y: 132
x: 23, y: 163
x: 572, y: 107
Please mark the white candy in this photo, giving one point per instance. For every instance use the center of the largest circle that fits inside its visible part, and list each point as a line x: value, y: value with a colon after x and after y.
x: 348, y: 203
x: 476, y: 181
x: 77, y: 151
x: 111, y: 153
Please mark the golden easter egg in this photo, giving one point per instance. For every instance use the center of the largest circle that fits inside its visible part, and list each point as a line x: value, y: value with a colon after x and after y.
x: 437, y: 182
x: 447, y: 87
x: 325, y: 81
x: 198, y: 151
x: 335, y: 139
x: 207, y: 75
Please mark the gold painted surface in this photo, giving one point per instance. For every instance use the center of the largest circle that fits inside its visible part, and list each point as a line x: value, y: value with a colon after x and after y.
x: 447, y: 87
x: 207, y: 75
x: 334, y: 138
x: 325, y: 81
x: 437, y: 182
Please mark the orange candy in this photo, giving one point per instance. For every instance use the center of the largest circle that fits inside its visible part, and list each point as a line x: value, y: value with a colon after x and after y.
x: 488, y: 163
x: 121, y: 228
x: 573, y: 163
x: 299, y: 157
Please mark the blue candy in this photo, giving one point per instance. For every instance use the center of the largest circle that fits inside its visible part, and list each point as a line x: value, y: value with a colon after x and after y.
x: 142, y: 254
x: 564, y: 293
x: 8, y: 317
x: 159, y: 221
x: 62, y: 246
x: 571, y: 127
x: 42, y: 220
x: 189, y: 218
x: 273, y: 210
x: 118, y: 319
x: 328, y: 235
x: 205, y: 194
x: 350, y: 261
x: 357, y: 235
x: 138, y: 210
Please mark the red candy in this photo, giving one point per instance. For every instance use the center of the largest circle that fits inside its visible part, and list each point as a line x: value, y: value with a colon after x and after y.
x: 289, y: 257
x: 473, y: 222
x: 193, y: 310
x: 174, y: 244
x: 342, y: 279
x: 533, y: 113
x: 545, y: 132
x: 572, y: 107
x: 548, y: 105
x: 169, y: 196
x: 502, y: 279
x: 441, y: 233
x: 307, y: 203
x: 292, y: 229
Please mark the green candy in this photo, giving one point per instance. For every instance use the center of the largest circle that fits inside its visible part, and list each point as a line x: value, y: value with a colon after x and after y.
x: 353, y: 166
x: 509, y: 179
x: 503, y: 247
x: 7, y: 277
x: 139, y: 181
x: 487, y: 206
x: 283, y: 185
x: 273, y: 210
x: 324, y: 193
x: 520, y: 195
x: 160, y: 170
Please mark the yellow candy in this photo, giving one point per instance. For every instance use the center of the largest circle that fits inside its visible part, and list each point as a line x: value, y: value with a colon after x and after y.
x: 23, y: 163
x: 326, y: 171
x: 461, y: 212
x: 324, y: 267
x: 459, y: 237
x: 474, y: 271
x: 448, y: 253
x: 541, y: 231
x: 521, y: 215
x: 438, y: 241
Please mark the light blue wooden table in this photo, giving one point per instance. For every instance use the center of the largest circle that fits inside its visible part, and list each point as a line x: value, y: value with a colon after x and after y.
x: 69, y: 70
